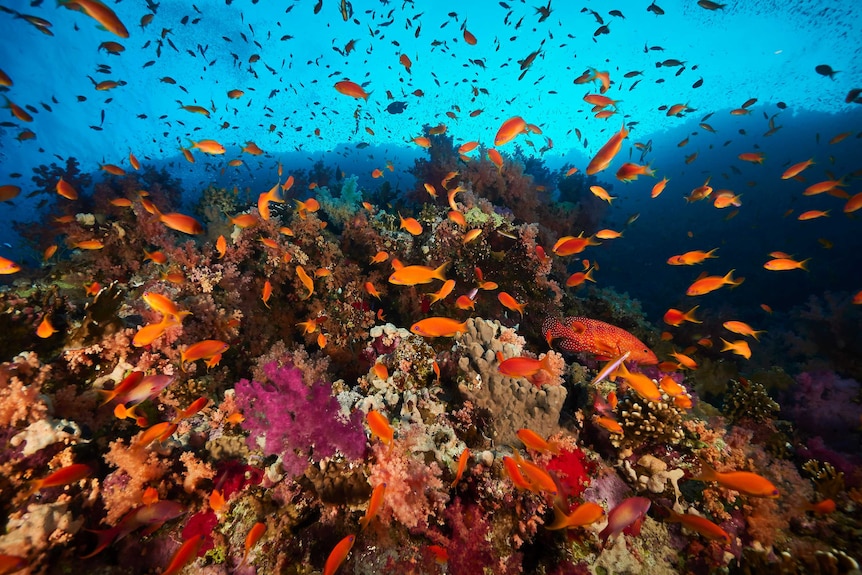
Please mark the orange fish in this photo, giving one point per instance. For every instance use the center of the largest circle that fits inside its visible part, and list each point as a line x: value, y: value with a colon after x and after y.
x: 539, y: 479
x: 7, y: 266
x: 181, y: 223
x: 784, y: 264
x: 585, y: 514
x: 741, y: 328
x: 89, y: 245
x: 510, y: 466
x: 691, y: 258
x: 372, y: 291
x: 496, y: 158
x: 511, y: 303
x: 306, y: 281
x: 63, y: 476
x: 209, y: 147
x: 534, y: 441
x: 443, y: 292
x: 467, y: 147
x: 684, y: 360
x: 149, y: 333
x: 413, y: 275
x: 853, y: 204
x: 707, y: 284
x: 45, y: 329
x: 640, y: 383
x: 100, y: 13
x: 374, y: 504
x: 597, y: 337
x: 509, y: 130
x: 524, y: 366
x: 187, y: 553
x: 579, y: 278
x: 422, y: 141
x: 700, y: 524
x: 254, y: 534
x: 675, y: 317
x: 66, y: 190
x: 203, y: 350
x: 351, y: 89
x: 796, y: 169
x: 438, y: 327
x: 267, y: 293
x: 338, y: 555
x: 462, y: 466
x: 629, y: 172
x: 608, y: 423
x: 380, y: 427
x: 411, y: 225
x: 822, y: 507
x: 570, y: 245
x: 602, y: 194
x: 739, y: 347
x: 813, y: 214
x: 607, y: 152
x: 742, y: 481
x: 469, y: 37
x: 754, y: 157
x: 164, y: 305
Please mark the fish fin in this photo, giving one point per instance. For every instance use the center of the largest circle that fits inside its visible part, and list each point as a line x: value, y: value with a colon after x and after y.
x: 707, y: 472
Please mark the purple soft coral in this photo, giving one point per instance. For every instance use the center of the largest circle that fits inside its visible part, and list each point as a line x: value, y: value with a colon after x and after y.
x: 298, y: 422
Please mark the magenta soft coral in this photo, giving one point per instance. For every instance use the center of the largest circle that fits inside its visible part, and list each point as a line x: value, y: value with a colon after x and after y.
x: 299, y: 422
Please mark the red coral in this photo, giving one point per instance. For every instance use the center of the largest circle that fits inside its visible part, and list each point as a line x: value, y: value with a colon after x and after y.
x: 573, y: 470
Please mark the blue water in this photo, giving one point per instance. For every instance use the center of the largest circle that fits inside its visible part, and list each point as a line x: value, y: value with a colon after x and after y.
x: 747, y: 50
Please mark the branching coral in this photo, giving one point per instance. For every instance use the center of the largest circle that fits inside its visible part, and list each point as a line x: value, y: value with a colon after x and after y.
x: 749, y: 401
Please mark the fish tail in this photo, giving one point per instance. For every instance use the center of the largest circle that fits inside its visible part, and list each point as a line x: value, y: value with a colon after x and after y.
x: 440, y: 272
x: 560, y: 520
x: 803, y: 263
x: 104, y: 537
x: 707, y: 472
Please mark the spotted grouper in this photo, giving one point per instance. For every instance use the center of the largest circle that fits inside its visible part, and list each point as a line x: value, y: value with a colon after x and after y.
x: 602, y: 339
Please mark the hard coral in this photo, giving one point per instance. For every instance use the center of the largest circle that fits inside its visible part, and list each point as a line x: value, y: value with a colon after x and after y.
x: 512, y: 403
x: 286, y: 417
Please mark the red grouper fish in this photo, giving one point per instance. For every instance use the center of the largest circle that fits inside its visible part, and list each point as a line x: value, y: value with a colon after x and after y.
x: 597, y: 337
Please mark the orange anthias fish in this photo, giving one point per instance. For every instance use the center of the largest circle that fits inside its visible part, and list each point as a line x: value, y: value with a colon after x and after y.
x: 185, y: 554
x: 351, y: 89
x: 380, y: 427
x: 181, y: 223
x: 606, y: 154
x: 462, y: 466
x: 596, y: 337
x: 413, y: 275
x: 255, y: 533
x: 784, y: 264
x: 585, y: 514
x: 742, y: 328
x: 100, y: 13
x: 742, y: 481
x: 338, y: 555
x: 708, y: 284
x: 675, y: 317
x: 373, y: 504
x: 509, y: 130
x: 203, y: 350
x: 700, y: 524
x: 438, y: 327
x: 63, y: 476
x: 524, y: 366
